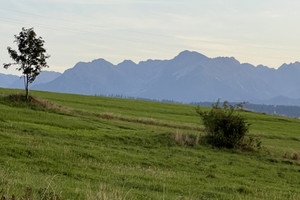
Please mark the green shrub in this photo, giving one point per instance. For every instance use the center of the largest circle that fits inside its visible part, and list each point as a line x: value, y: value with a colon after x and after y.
x: 224, y: 126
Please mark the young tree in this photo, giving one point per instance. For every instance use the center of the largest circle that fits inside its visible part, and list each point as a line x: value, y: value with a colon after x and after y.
x: 30, y: 57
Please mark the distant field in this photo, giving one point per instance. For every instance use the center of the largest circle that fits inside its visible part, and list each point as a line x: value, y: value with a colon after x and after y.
x: 87, y: 147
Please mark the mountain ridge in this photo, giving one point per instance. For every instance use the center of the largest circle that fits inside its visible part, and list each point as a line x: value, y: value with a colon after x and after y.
x: 188, y: 77
x: 17, y: 82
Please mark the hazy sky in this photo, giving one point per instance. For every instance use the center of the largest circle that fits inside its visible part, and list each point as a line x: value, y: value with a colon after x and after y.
x: 255, y: 31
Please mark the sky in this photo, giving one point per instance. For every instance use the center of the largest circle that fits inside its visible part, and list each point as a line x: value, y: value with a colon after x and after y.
x: 253, y: 31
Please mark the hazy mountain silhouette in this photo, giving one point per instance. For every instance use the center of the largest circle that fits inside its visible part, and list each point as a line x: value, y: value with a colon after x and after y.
x: 12, y: 81
x: 6, y: 80
x: 188, y: 77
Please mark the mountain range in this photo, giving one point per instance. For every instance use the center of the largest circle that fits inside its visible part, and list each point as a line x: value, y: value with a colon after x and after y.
x: 13, y: 81
x: 188, y: 77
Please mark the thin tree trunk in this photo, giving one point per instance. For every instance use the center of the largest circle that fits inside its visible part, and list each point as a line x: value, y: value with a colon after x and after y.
x: 27, y: 92
x: 26, y: 88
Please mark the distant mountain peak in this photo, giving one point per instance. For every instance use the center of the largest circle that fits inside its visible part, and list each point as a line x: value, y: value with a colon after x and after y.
x: 126, y: 63
x: 101, y: 61
x: 187, y: 53
x: 291, y: 66
x: 265, y: 68
x: 227, y: 60
x: 189, y: 57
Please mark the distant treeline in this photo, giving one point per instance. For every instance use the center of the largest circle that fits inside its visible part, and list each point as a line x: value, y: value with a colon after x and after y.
x: 282, y: 110
x: 290, y: 111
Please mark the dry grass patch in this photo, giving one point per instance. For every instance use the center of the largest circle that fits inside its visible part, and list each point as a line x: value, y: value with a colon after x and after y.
x: 34, y: 102
x: 293, y: 156
x: 106, y: 192
x: 148, y: 121
x: 186, y: 139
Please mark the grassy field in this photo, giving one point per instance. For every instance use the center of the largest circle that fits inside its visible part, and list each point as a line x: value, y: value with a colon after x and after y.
x: 88, y: 147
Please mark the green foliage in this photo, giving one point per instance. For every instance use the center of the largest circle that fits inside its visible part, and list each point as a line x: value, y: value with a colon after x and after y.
x: 30, y: 57
x: 224, y: 126
x: 107, y: 148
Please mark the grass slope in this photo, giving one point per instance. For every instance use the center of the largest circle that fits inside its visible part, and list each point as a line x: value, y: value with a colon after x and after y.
x: 85, y: 147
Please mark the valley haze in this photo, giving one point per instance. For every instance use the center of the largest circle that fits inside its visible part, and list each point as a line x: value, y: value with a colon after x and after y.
x: 188, y: 77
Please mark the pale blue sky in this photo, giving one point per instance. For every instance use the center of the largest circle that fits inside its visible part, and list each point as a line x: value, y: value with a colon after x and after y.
x: 254, y: 31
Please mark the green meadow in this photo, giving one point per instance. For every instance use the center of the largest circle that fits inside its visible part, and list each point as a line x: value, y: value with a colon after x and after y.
x: 70, y: 146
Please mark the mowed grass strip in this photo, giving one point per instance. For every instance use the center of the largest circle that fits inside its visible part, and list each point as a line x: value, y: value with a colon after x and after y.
x: 108, y: 148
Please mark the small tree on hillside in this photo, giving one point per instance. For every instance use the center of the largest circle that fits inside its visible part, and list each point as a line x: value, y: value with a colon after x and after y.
x: 30, y: 57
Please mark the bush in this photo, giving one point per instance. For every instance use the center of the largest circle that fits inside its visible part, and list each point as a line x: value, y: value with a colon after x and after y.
x: 224, y: 126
